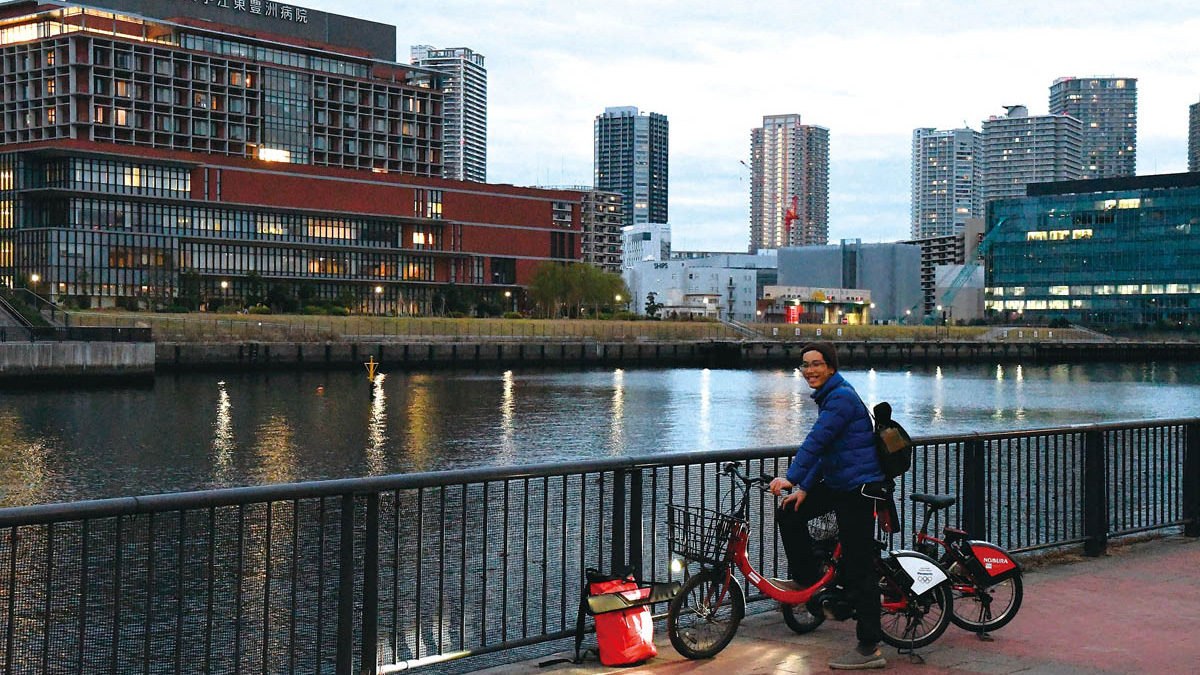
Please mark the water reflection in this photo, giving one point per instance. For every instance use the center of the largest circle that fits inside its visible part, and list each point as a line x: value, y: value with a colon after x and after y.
x: 187, y: 433
x: 223, y: 444
x: 508, y: 418
x: 24, y: 478
x: 377, y: 429
x: 616, y: 425
x: 275, y: 452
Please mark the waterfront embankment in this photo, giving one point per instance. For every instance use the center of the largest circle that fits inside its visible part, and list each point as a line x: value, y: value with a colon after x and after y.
x: 491, y: 353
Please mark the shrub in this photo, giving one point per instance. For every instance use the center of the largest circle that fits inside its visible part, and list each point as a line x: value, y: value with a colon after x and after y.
x: 337, y: 311
x: 314, y: 309
x: 456, y: 315
x: 512, y: 315
x: 626, y: 316
x: 260, y: 309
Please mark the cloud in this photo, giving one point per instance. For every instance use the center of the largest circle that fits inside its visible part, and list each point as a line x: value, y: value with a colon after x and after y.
x: 870, y: 72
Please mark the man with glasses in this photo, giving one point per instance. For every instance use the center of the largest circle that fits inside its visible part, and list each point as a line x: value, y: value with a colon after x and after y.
x: 832, y: 465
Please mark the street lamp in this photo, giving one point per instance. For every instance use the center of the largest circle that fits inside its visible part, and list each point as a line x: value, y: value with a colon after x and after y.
x: 224, y: 292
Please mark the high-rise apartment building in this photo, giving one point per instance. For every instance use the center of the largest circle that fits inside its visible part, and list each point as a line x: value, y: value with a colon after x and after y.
x: 789, y: 186
x: 1194, y: 137
x: 1019, y: 149
x: 1107, y: 109
x: 158, y: 154
x: 631, y: 158
x: 945, y: 181
x: 464, y: 110
x: 601, y: 220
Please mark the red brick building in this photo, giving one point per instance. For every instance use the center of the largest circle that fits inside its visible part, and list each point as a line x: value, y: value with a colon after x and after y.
x: 151, y: 159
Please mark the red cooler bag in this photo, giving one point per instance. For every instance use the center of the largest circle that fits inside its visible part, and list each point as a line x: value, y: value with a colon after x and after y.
x: 623, y: 636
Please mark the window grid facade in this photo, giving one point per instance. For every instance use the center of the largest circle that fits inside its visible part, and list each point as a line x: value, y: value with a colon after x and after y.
x: 154, y: 95
x: 788, y: 161
x: 1106, y: 108
x: 1019, y: 149
x: 945, y: 181
x: 1107, y: 252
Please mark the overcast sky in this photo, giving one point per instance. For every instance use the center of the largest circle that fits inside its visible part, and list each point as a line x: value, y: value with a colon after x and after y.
x: 868, y: 70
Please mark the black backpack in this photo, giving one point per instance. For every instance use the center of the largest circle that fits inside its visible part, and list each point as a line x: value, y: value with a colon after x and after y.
x: 893, y: 446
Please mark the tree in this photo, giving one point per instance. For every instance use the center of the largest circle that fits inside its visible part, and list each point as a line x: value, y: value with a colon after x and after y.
x: 255, y: 286
x: 652, y: 305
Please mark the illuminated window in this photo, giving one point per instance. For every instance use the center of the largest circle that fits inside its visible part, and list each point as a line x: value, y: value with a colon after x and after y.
x: 1059, y: 235
x: 418, y: 239
x: 1060, y: 290
x: 1106, y: 289
x: 1058, y: 304
x: 1018, y: 305
x: 1035, y: 236
x: 1133, y: 203
x: 1177, y: 288
x: 274, y: 155
x: 1036, y: 304
x: 1085, y: 233
x: 1128, y: 289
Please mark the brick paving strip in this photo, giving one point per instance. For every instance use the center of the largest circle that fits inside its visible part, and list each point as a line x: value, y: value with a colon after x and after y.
x: 1135, y: 611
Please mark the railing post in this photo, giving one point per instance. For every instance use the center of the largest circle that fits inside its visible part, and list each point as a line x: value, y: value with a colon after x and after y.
x: 368, y: 663
x: 1191, y: 480
x: 975, y: 489
x: 345, y: 629
x: 617, y: 558
x: 635, y: 523
x: 1095, y: 494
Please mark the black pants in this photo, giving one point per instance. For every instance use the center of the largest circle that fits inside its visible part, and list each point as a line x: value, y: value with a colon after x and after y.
x: 856, y: 532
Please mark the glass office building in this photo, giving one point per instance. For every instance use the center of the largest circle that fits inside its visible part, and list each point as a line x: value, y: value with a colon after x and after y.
x: 1107, y: 251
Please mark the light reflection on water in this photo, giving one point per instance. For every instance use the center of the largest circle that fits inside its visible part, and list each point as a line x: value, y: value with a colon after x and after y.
x: 200, y: 431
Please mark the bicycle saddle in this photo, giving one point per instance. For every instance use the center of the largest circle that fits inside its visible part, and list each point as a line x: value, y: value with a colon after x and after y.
x: 936, y: 501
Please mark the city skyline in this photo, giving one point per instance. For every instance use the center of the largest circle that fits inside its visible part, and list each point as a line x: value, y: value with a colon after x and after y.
x: 553, y: 67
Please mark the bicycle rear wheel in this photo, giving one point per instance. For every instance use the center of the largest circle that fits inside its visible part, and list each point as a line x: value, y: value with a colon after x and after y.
x: 984, y: 609
x: 920, y: 623
x: 704, y: 616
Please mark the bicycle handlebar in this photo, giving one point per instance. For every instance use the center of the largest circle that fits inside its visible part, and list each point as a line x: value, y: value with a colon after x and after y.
x: 731, y: 469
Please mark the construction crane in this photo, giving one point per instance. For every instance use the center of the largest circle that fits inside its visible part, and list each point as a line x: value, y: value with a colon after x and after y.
x: 969, y: 266
x: 791, y: 215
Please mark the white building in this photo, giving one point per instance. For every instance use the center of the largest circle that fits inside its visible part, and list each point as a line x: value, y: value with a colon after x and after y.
x: 464, y: 109
x: 645, y: 241
x: 719, y: 287
x: 945, y: 181
x: 1019, y: 149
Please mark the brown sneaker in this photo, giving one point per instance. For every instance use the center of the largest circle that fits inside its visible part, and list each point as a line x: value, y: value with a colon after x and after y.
x: 856, y: 660
x: 786, y: 584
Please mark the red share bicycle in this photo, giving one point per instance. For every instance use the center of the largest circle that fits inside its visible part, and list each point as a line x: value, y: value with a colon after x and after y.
x: 985, y: 579
x: 704, y: 616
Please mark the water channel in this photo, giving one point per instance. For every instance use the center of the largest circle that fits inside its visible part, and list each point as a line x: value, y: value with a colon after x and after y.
x: 205, y: 430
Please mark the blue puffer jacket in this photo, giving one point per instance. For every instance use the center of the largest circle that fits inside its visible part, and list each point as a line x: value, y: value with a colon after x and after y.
x: 840, y: 449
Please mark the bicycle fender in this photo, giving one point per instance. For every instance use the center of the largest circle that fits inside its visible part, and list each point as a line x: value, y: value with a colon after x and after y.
x: 994, y: 562
x: 924, y: 573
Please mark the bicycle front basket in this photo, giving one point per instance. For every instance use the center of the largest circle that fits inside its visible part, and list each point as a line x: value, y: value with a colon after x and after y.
x: 700, y: 534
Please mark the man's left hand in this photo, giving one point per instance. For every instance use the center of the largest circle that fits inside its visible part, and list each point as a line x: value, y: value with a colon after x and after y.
x: 793, y: 501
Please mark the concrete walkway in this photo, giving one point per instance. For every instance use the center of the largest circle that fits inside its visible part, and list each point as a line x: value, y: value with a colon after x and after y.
x: 1135, y: 611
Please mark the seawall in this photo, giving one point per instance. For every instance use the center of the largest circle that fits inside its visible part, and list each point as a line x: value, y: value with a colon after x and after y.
x: 711, y: 353
x: 30, y: 363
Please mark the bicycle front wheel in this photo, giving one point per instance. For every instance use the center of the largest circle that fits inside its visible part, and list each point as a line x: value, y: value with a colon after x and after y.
x: 922, y: 621
x: 704, y: 616
x: 799, y: 619
x: 983, y: 609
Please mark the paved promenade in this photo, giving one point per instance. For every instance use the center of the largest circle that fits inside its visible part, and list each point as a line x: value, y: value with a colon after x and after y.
x: 1135, y: 611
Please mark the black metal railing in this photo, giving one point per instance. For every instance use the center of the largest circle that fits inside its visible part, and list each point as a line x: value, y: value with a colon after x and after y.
x: 377, y: 575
